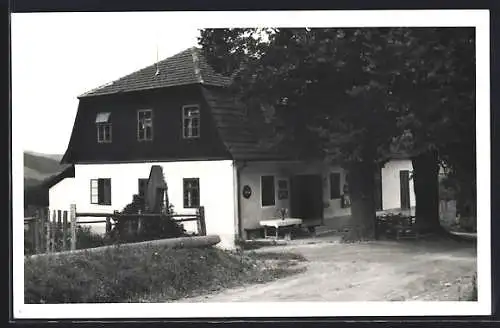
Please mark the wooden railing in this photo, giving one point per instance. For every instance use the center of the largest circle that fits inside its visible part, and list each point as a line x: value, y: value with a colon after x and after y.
x: 59, y: 234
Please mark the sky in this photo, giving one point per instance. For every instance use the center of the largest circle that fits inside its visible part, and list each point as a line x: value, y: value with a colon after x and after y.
x: 58, y: 56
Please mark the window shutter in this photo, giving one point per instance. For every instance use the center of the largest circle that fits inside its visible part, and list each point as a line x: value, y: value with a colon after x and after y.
x: 107, y: 191
x: 100, y: 191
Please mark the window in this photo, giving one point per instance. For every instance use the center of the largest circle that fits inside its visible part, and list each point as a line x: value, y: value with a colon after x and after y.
x: 335, y: 185
x: 282, y: 189
x: 191, y: 121
x: 103, y: 125
x: 267, y: 190
x: 145, y: 125
x: 143, y: 184
x: 100, y: 191
x: 191, y: 193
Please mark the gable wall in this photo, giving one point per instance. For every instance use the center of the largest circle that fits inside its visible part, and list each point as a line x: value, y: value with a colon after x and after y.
x: 391, y: 192
x: 216, y: 191
x: 167, y: 143
x: 252, y: 211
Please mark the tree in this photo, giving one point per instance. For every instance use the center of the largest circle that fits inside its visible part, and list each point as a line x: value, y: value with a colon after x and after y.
x: 331, y: 85
x: 359, y: 92
x: 437, y: 102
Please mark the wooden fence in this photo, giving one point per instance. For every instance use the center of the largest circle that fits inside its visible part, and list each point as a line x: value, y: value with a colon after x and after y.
x: 60, y: 233
x: 46, y: 235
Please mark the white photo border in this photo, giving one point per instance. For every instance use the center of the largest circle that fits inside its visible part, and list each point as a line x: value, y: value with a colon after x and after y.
x: 479, y: 19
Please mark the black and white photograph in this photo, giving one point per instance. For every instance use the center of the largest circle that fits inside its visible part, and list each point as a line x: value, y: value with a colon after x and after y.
x: 251, y: 164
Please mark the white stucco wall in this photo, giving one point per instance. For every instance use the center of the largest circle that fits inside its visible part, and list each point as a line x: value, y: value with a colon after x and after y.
x: 216, y: 191
x: 251, y: 209
x: 61, y: 196
x: 391, y: 194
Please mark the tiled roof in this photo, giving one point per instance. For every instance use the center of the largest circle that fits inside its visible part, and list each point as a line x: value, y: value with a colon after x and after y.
x: 68, y: 172
x: 246, y: 135
x: 183, y: 68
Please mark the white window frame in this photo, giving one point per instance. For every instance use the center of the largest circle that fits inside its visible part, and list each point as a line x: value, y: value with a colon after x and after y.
x: 94, y: 192
x: 261, y: 189
x: 139, y: 122
x: 101, y: 135
x: 185, y: 117
x: 184, y: 190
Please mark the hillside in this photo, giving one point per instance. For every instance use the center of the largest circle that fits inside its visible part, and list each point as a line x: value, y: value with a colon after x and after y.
x: 37, y: 168
x: 40, y: 166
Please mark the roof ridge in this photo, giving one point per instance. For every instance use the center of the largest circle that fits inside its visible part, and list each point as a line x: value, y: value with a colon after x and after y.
x: 184, y: 67
x: 135, y: 72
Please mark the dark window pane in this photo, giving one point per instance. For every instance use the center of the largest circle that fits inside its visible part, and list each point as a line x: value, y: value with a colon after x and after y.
x: 195, y: 132
x: 107, y: 192
x: 268, y: 193
x: 335, y: 186
x: 100, y: 191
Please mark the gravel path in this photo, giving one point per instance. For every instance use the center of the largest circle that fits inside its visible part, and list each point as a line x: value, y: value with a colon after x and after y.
x: 376, y: 271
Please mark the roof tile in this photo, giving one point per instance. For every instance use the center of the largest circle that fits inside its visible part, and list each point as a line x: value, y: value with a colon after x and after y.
x: 186, y: 67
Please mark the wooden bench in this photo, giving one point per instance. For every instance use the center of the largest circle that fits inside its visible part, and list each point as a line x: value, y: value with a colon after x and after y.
x: 405, y: 228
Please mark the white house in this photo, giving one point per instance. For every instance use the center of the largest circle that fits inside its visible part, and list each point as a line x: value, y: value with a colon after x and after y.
x: 212, y: 152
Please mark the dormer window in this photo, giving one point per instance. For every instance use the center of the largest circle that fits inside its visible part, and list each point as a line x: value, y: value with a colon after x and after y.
x: 145, y: 125
x: 190, y: 121
x: 103, y: 125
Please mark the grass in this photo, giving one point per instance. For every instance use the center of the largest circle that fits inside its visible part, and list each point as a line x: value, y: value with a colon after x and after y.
x: 255, y: 244
x: 147, y: 273
x: 472, y: 294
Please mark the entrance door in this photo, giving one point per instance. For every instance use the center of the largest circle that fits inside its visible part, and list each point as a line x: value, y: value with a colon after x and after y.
x: 378, y: 190
x: 404, y: 180
x: 307, y: 197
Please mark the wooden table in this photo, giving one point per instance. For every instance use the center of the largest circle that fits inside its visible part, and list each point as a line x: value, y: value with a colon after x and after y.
x: 286, y: 223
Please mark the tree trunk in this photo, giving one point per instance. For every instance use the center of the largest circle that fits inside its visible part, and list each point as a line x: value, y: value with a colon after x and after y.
x: 426, y: 186
x: 361, y: 189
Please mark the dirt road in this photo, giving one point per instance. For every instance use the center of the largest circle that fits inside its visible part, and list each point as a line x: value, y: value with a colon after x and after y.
x: 378, y: 271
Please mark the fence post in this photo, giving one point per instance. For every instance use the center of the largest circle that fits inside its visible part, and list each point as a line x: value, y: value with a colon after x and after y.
x: 38, y: 229
x: 57, y: 234
x: 139, y: 223
x: 47, y: 234
x: 33, y: 229
x: 72, y: 215
x: 53, y: 232
x: 65, y: 230
x: 108, y: 225
x: 202, y: 228
x: 41, y: 229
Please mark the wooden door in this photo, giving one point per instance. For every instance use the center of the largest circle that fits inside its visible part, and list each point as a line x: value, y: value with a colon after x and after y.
x: 404, y: 180
x: 307, y: 197
x: 378, y: 190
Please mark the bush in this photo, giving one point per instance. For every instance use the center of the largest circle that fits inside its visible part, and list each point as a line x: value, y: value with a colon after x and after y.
x: 151, y: 229
x: 135, y: 273
x: 85, y: 238
x: 473, y: 294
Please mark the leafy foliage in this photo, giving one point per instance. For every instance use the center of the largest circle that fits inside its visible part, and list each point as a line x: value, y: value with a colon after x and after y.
x: 359, y: 89
x: 363, y: 94
x: 151, y: 228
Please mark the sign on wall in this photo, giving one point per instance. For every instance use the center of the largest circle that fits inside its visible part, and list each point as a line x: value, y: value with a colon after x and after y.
x: 282, y: 189
x: 247, y: 191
